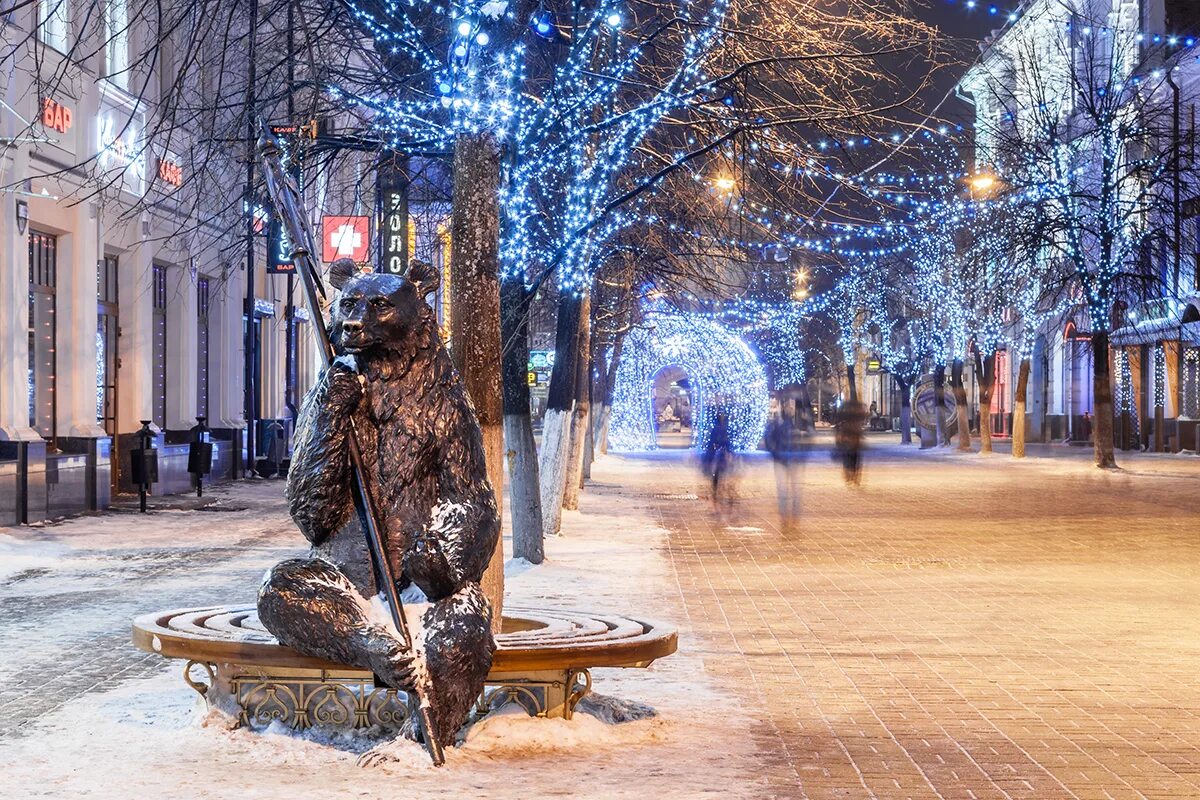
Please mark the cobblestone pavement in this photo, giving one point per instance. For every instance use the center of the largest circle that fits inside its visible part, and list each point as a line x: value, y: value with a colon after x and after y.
x: 959, y: 627
x: 64, y: 625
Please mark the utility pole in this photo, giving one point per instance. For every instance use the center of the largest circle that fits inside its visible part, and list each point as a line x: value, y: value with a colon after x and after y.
x: 250, y: 375
x: 289, y: 336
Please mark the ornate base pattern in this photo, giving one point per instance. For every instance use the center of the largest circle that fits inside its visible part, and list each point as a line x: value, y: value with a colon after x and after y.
x: 351, y: 700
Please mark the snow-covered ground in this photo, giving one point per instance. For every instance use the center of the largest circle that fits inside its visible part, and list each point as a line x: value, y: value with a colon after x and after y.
x: 149, y: 736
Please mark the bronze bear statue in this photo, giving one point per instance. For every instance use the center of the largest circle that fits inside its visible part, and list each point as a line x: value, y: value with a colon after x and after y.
x: 423, y: 452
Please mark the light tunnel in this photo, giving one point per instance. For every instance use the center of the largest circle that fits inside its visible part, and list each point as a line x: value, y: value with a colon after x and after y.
x: 724, y: 372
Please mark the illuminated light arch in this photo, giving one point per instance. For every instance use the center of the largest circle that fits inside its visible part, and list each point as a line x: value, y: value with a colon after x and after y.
x: 724, y: 373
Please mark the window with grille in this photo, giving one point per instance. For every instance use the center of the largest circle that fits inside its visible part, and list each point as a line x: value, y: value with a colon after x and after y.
x: 1191, y: 383
x: 159, y: 345
x: 106, y: 344
x: 43, y: 280
x: 202, y: 299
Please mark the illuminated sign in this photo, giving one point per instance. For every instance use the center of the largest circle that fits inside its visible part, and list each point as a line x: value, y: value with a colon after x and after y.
x: 345, y: 237
x: 170, y: 172
x: 279, y: 248
x: 122, y: 151
x: 55, y: 115
x: 395, y: 223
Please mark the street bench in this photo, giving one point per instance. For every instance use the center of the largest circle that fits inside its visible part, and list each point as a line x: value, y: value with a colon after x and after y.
x: 543, y: 661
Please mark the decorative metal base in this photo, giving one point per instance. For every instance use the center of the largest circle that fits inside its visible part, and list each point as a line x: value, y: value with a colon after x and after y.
x: 351, y: 700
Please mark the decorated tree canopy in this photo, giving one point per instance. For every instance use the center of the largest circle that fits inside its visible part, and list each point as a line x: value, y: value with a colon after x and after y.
x: 725, y: 376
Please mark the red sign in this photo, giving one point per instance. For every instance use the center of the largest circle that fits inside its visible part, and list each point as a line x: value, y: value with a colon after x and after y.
x: 55, y: 115
x: 345, y: 237
x: 170, y: 172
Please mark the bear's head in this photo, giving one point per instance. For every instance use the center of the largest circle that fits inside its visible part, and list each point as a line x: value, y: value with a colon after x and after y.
x: 377, y: 312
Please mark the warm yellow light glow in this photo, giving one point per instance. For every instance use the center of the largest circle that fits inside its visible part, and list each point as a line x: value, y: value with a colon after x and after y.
x: 725, y: 184
x: 983, y: 183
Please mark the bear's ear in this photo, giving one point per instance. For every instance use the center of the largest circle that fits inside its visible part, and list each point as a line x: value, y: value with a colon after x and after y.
x: 424, y: 276
x: 341, y: 271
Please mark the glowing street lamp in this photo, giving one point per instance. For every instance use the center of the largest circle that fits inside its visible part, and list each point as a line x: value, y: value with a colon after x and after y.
x: 984, y: 184
x: 725, y: 184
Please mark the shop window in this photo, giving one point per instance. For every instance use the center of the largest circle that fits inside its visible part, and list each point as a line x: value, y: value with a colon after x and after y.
x: 159, y: 346
x: 202, y: 300
x: 106, y: 344
x: 43, y: 280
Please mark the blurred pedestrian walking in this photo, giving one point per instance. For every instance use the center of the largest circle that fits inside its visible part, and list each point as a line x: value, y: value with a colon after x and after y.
x: 849, y: 440
x: 717, y: 458
x: 786, y: 442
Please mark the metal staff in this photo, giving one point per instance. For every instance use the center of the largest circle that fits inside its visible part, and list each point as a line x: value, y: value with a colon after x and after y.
x: 286, y: 198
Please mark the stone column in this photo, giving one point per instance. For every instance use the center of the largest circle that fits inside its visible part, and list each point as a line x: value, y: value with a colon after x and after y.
x: 135, y: 400
x: 226, y: 350
x: 76, y: 320
x: 181, y: 347
x: 14, y: 312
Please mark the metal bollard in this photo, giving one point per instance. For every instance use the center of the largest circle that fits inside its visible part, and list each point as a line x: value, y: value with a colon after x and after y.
x: 144, y: 466
x: 200, y: 454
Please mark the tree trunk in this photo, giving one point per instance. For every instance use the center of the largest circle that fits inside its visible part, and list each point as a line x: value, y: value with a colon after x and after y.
x: 521, y: 452
x: 475, y: 314
x: 905, y: 410
x: 601, y: 424
x: 1018, y: 423
x: 1103, y: 402
x: 939, y: 402
x: 610, y: 385
x: 589, y: 429
x: 560, y: 401
x: 589, y: 448
x: 850, y: 382
x: 960, y: 403
x: 985, y: 368
x: 579, y: 415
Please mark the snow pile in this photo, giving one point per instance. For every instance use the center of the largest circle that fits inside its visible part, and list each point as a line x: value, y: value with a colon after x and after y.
x: 22, y: 555
x: 510, y: 730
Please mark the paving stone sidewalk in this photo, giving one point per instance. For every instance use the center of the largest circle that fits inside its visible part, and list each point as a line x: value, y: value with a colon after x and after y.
x: 960, y: 627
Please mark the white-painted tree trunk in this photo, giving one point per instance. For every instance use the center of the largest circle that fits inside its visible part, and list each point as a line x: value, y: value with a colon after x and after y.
x: 575, y: 452
x: 601, y: 425
x: 552, y: 466
x: 580, y: 414
x: 524, y: 500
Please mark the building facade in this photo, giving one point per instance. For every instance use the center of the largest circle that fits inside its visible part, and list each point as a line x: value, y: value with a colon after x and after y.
x: 1153, y: 349
x: 134, y: 289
